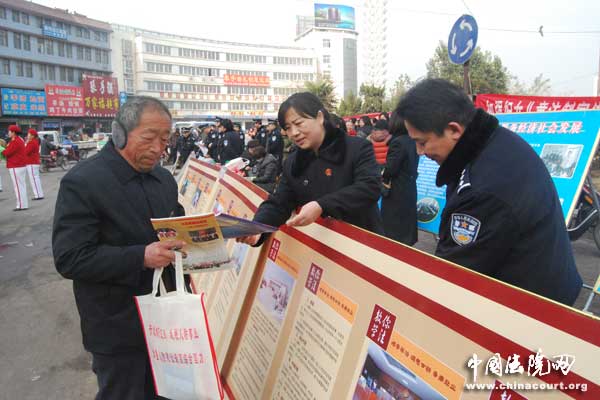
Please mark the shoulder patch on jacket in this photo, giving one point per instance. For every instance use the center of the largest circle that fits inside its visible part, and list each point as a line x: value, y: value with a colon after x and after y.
x: 464, y: 229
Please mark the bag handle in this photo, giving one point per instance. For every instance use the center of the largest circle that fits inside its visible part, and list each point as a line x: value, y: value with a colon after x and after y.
x: 179, y: 280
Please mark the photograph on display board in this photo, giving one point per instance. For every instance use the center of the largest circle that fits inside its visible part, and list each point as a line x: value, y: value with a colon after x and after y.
x: 197, y: 195
x: 275, y: 290
x: 561, y: 159
x: 185, y: 185
x: 238, y: 256
x: 427, y: 209
x: 383, y: 377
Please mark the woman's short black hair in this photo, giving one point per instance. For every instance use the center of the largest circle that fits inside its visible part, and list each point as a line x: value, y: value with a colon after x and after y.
x: 227, y: 124
x: 307, y: 105
x: 366, y: 120
x: 396, y: 125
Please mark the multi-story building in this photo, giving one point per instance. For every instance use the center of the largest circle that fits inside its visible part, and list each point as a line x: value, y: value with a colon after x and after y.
x: 199, y: 78
x: 332, y: 35
x: 374, y: 42
x: 40, y: 45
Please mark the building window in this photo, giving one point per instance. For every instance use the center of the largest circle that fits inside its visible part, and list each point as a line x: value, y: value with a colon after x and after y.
x: 98, y: 56
x: 246, y: 90
x: 70, y: 75
x: 157, y: 86
x: 16, y: 18
x: 245, y: 58
x: 105, y: 57
x: 191, y: 88
x: 19, y: 68
x: 128, y: 66
x: 96, y: 36
x: 51, y: 74
x: 247, y: 106
x: 157, y: 49
x: 5, y: 66
x: 152, y: 67
x: 43, y: 72
x: 246, y: 73
x: 49, y: 47
x: 17, y: 40
x: 127, y: 46
x: 3, y: 37
x: 88, y: 54
x: 80, y: 52
x: 86, y: 33
x: 197, y: 71
x: 61, y: 49
x: 69, y: 51
x: 129, y: 86
x: 26, y: 42
x: 292, y: 76
x: 25, y: 18
x: 28, y: 69
x: 285, y: 91
x: 3, y: 12
x: 326, y: 58
x: 63, y: 74
x: 326, y: 43
x: 79, y: 32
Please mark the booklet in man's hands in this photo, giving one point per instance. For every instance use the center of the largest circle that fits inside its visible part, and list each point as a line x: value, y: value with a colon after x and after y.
x: 205, y: 236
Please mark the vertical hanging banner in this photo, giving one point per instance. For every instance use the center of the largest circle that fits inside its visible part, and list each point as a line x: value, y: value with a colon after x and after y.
x: 565, y: 141
x: 100, y: 95
x: 64, y: 101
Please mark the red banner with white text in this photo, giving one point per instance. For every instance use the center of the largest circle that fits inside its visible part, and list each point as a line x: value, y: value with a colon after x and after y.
x: 503, y: 103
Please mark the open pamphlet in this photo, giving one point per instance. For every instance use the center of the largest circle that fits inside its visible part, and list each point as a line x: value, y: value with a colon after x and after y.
x: 205, y: 235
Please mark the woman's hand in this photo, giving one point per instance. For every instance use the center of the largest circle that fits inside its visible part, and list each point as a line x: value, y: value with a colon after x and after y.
x: 251, y: 240
x: 309, y: 213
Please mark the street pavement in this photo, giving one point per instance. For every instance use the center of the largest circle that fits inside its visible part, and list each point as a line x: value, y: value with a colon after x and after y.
x: 41, y: 356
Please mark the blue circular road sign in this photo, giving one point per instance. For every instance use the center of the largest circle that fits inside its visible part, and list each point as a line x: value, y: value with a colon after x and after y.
x: 462, y: 39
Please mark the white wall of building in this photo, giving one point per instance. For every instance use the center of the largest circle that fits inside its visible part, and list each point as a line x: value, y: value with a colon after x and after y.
x: 374, y: 51
x: 189, y: 72
x: 329, y: 47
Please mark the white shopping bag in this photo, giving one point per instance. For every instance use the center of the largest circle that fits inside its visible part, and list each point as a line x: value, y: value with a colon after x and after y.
x: 182, y: 355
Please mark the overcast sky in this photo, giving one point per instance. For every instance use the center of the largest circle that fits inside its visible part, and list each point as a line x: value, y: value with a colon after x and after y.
x: 570, y: 60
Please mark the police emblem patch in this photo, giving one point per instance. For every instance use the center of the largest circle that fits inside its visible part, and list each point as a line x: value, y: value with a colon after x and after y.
x: 464, y: 229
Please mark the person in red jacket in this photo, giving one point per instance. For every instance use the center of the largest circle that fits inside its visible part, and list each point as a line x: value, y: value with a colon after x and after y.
x: 379, y: 137
x: 16, y: 162
x: 32, y: 152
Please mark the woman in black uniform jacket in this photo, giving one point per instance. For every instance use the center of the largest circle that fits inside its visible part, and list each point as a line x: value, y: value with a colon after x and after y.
x: 330, y: 174
x: 399, y: 203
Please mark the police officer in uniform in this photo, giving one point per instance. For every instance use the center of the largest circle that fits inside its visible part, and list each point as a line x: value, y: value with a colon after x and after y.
x: 185, y: 146
x: 238, y: 129
x: 502, y: 217
x: 259, y: 129
x: 230, y: 145
x: 273, y: 142
x: 212, y: 140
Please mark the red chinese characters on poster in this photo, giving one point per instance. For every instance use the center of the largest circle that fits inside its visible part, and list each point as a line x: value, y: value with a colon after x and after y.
x: 64, y: 101
x: 244, y: 80
x: 100, y: 96
x: 502, y: 103
x: 381, y: 326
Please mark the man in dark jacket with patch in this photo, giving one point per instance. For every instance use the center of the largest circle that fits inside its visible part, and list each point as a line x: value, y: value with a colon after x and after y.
x: 103, y: 240
x: 502, y: 217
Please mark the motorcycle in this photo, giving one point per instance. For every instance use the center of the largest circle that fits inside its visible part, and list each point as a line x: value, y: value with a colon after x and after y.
x: 585, y: 215
x: 56, y: 159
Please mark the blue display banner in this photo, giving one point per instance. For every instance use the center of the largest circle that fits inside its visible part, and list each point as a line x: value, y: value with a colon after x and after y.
x: 565, y: 141
x: 51, y: 31
x: 23, y: 102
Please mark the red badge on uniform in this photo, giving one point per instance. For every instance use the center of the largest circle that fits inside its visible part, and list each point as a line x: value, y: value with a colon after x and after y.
x: 328, y: 172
